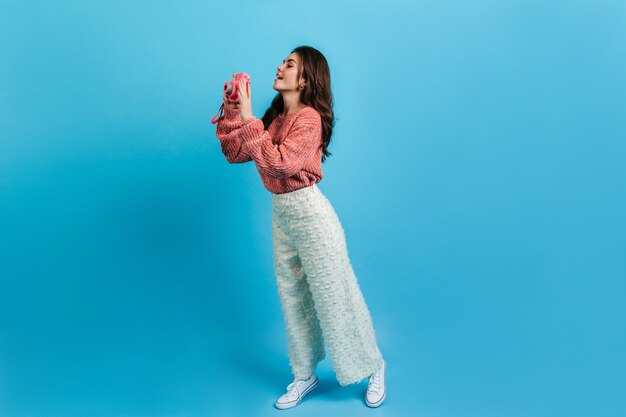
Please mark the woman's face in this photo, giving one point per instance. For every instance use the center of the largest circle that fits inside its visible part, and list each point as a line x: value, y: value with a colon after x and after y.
x: 286, y: 74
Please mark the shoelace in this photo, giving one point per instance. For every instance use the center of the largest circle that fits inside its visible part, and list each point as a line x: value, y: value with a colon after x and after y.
x: 375, y: 382
x: 293, y: 389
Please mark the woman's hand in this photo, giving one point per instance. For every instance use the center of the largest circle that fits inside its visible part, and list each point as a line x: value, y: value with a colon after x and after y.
x: 228, y: 104
x: 245, y: 104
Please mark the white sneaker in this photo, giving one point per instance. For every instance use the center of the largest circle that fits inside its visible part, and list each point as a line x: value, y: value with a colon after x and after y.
x: 376, y: 387
x: 295, y: 392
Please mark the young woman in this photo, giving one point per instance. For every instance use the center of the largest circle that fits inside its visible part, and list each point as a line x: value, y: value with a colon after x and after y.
x: 319, y: 293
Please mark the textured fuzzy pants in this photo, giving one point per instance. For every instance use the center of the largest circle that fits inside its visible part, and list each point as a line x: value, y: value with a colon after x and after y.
x: 318, y: 290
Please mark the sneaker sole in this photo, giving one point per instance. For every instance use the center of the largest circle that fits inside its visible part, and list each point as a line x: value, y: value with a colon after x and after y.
x: 378, y: 403
x: 291, y: 405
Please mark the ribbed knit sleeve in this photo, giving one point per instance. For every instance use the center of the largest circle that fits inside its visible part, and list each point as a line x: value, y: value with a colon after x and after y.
x: 228, y: 134
x: 284, y: 159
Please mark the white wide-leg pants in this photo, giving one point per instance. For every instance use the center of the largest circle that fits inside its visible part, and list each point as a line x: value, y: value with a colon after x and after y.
x: 319, y: 293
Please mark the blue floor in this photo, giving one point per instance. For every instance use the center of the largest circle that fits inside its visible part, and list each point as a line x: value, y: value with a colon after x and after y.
x: 162, y: 355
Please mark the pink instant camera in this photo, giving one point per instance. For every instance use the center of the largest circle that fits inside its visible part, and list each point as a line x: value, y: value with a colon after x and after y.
x: 231, y: 91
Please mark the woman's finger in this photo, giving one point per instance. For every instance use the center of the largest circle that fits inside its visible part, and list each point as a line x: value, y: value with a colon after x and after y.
x: 243, y: 90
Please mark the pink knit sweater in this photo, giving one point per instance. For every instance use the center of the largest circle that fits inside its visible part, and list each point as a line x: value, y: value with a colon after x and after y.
x: 288, y: 155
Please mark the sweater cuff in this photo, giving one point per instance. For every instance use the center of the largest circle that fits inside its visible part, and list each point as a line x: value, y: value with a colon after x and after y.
x: 230, y: 113
x: 252, y: 129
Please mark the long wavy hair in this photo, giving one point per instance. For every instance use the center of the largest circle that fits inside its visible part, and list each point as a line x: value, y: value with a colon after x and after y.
x: 316, y: 93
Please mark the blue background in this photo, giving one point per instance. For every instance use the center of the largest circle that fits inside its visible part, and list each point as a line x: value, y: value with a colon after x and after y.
x: 478, y: 170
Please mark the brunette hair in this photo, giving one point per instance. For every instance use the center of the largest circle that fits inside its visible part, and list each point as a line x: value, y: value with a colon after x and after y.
x: 316, y: 93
